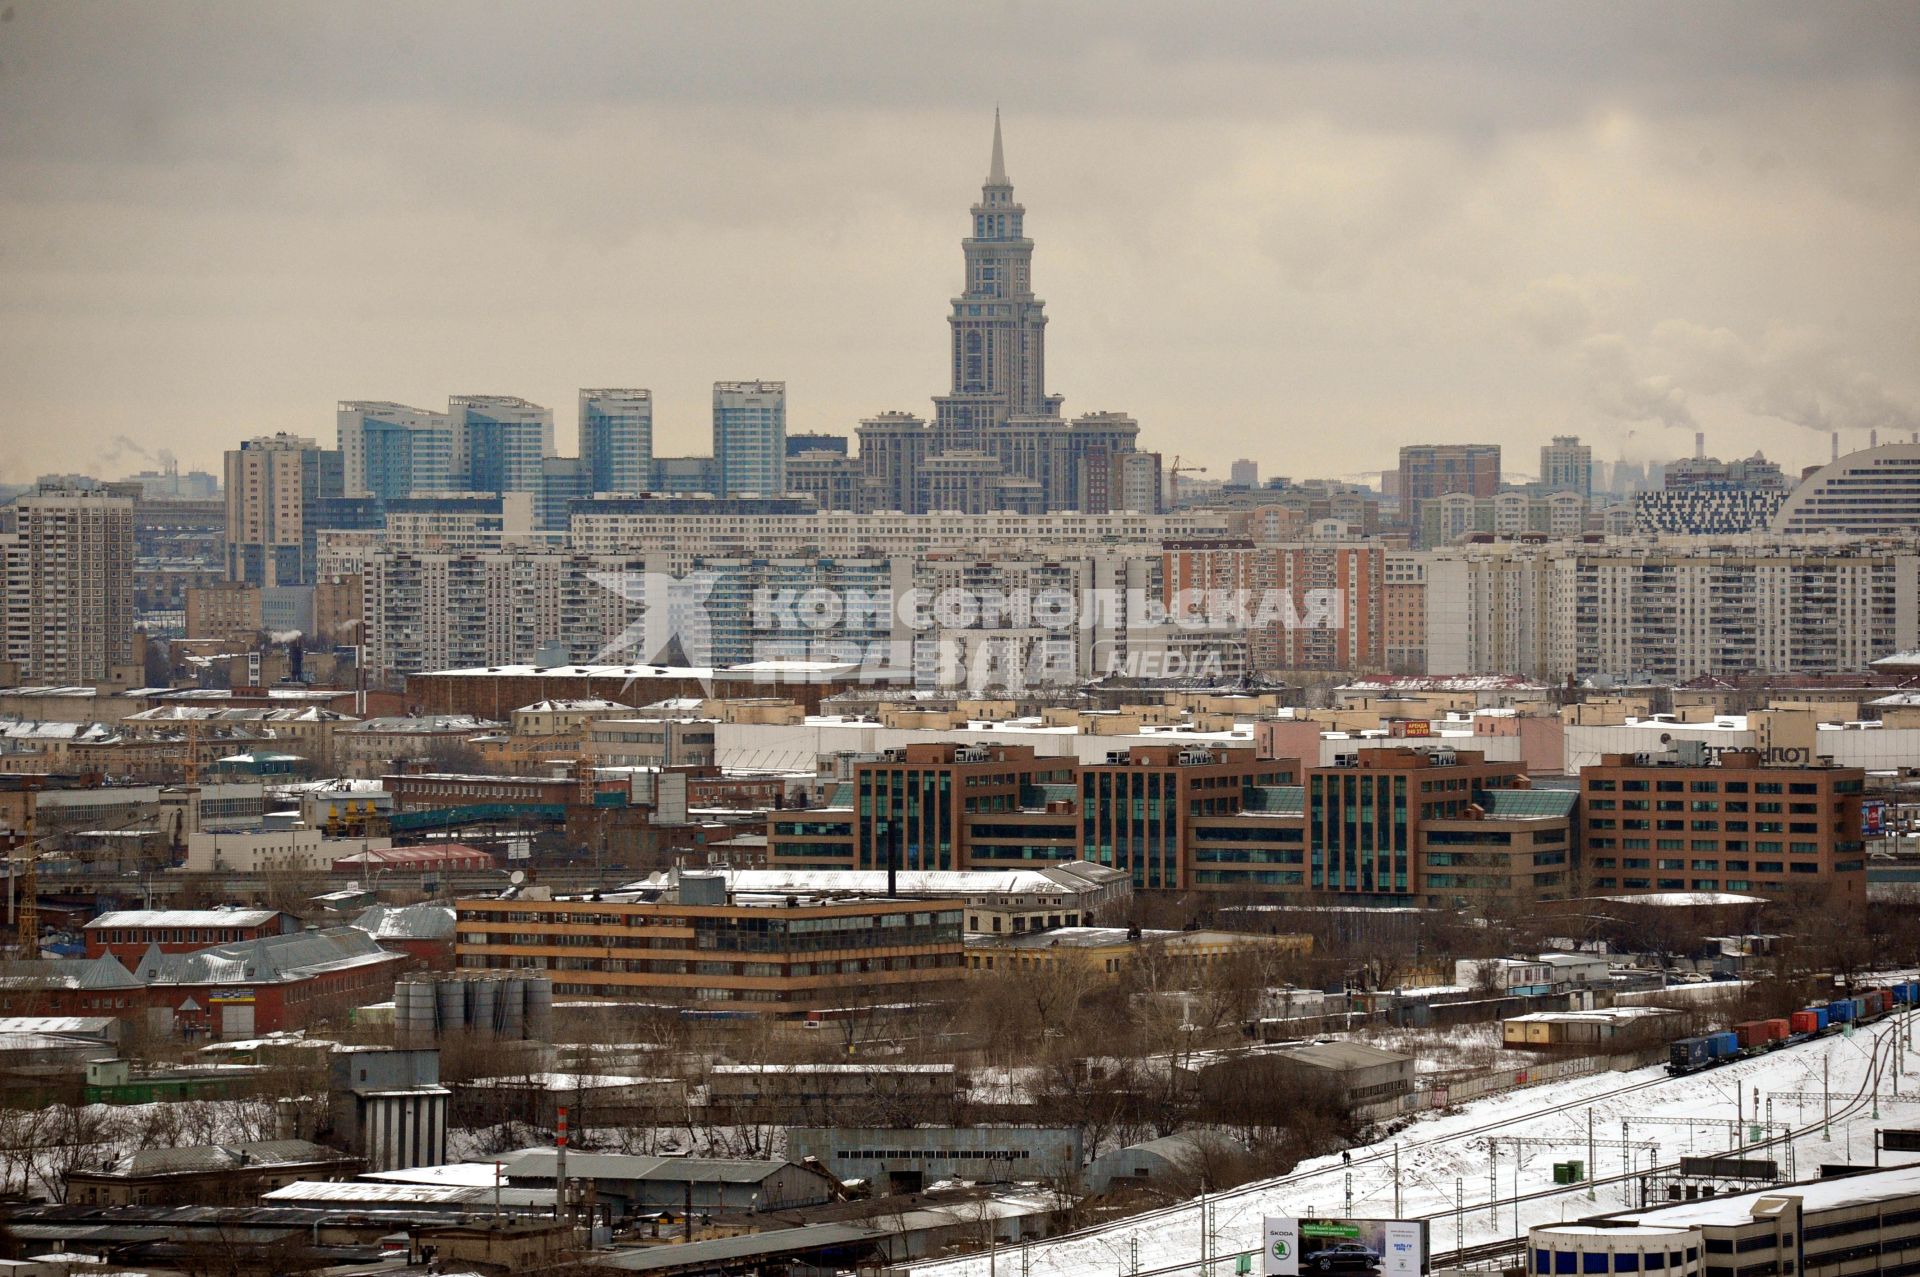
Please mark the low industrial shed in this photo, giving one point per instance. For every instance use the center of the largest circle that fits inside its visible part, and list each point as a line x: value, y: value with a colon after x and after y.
x: 1171, y: 1157
x: 634, y: 1183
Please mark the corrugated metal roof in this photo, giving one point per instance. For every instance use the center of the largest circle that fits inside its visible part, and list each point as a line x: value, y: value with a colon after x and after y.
x: 270, y: 959
x: 208, y: 1158
x: 537, y: 1163
x: 407, y: 922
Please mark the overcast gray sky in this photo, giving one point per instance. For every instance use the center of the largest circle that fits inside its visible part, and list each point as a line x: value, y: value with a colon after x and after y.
x: 1305, y: 234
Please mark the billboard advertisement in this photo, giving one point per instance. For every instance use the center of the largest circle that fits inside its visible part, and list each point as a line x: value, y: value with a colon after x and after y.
x: 1873, y: 818
x: 1388, y: 1247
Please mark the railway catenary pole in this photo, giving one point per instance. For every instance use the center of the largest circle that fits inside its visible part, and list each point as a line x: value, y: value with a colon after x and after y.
x: 1632, y: 1165
x: 1826, y: 1096
x: 1459, y: 1212
x: 1593, y: 1165
x: 1493, y: 1186
x: 1396, y: 1181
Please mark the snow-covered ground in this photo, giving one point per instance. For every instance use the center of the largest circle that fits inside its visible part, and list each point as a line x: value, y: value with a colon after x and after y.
x: 1444, y: 1159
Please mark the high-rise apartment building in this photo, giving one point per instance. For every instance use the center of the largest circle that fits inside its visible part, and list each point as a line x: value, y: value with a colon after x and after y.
x: 274, y: 487
x: 563, y: 481
x: 1875, y: 490
x: 1135, y: 483
x: 504, y: 440
x: 1244, y: 473
x: 391, y: 450
x: 805, y: 444
x: 1566, y: 465
x: 1667, y: 613
x: 616, y: 440
x: 1309, y: 605
x: 66, y: 562
x: 1434, y: 469
x: 1510, y: 512
x: 833, y: 479
x: 1431, y: 469
x: 750, y: 437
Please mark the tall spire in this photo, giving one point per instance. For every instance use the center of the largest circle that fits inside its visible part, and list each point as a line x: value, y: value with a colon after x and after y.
x: 997, y: 175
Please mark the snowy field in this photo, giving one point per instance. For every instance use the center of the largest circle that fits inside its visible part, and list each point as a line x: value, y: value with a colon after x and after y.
x: 1444, y: 1159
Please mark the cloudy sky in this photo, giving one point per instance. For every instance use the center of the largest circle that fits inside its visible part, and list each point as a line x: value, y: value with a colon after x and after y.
x: 1304, y: 234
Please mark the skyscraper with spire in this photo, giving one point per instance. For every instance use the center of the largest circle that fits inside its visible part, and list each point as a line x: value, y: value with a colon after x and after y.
x: 997, y: 440
x: 998, y: 328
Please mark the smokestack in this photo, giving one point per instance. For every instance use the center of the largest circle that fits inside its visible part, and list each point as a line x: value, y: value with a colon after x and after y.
x: 1699, y: 445
x: 1836, y: 445
x: 1873, y: 437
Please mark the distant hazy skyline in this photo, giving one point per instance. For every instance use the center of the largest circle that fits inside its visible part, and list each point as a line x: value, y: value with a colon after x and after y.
x: 1305, y: 234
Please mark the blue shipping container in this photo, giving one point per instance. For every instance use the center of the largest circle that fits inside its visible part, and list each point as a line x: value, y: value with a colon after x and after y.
x: 1690, y: 1051
x: 1723, y: 1045
x: 1840, y: 1011
x: 1822, y: 1014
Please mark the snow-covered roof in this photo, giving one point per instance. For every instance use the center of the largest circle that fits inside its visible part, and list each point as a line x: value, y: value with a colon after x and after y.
x: 184, y: 918
x: 1824, y: 1194
x: 407, y: 922
x: 424, y: 724
x: 1072, y: 877
x: 269, y: 960
x: 1445, y: 683
x: 213, y: 1158
x: 406, y: 1194
x: 1686, y: 899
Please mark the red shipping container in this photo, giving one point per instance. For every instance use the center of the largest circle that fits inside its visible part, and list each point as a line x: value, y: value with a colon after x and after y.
x: 1804, y: 1022
x: 1752, y: 1033
x: 1777, y: 1030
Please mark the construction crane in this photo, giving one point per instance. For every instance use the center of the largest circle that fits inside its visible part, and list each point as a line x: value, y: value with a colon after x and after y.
x: 191, y: 736
x: 1174, y: 472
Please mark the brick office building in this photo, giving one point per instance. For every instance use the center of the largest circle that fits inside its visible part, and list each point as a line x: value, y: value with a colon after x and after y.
x: 127, y: 934
x: 1682, y: 821
x: 694, y: 944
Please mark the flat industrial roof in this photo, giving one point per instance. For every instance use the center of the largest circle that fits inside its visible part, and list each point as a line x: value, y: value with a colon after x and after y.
x: 1820, y: 1194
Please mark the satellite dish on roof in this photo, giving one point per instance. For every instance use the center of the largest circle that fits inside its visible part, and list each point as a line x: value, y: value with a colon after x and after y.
x: 517, y: 877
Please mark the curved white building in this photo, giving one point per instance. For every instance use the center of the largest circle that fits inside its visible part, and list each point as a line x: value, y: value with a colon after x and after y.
x: 1873, y: 490
x: 1573, y: 1250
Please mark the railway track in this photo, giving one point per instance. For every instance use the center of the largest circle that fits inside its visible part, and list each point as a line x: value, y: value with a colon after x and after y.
x: 1883, y: 1043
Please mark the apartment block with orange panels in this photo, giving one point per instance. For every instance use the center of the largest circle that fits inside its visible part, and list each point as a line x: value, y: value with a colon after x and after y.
x: 1311, y: 605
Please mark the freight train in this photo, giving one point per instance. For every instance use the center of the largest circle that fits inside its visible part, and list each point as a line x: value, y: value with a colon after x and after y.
x: 1752, y: 1037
